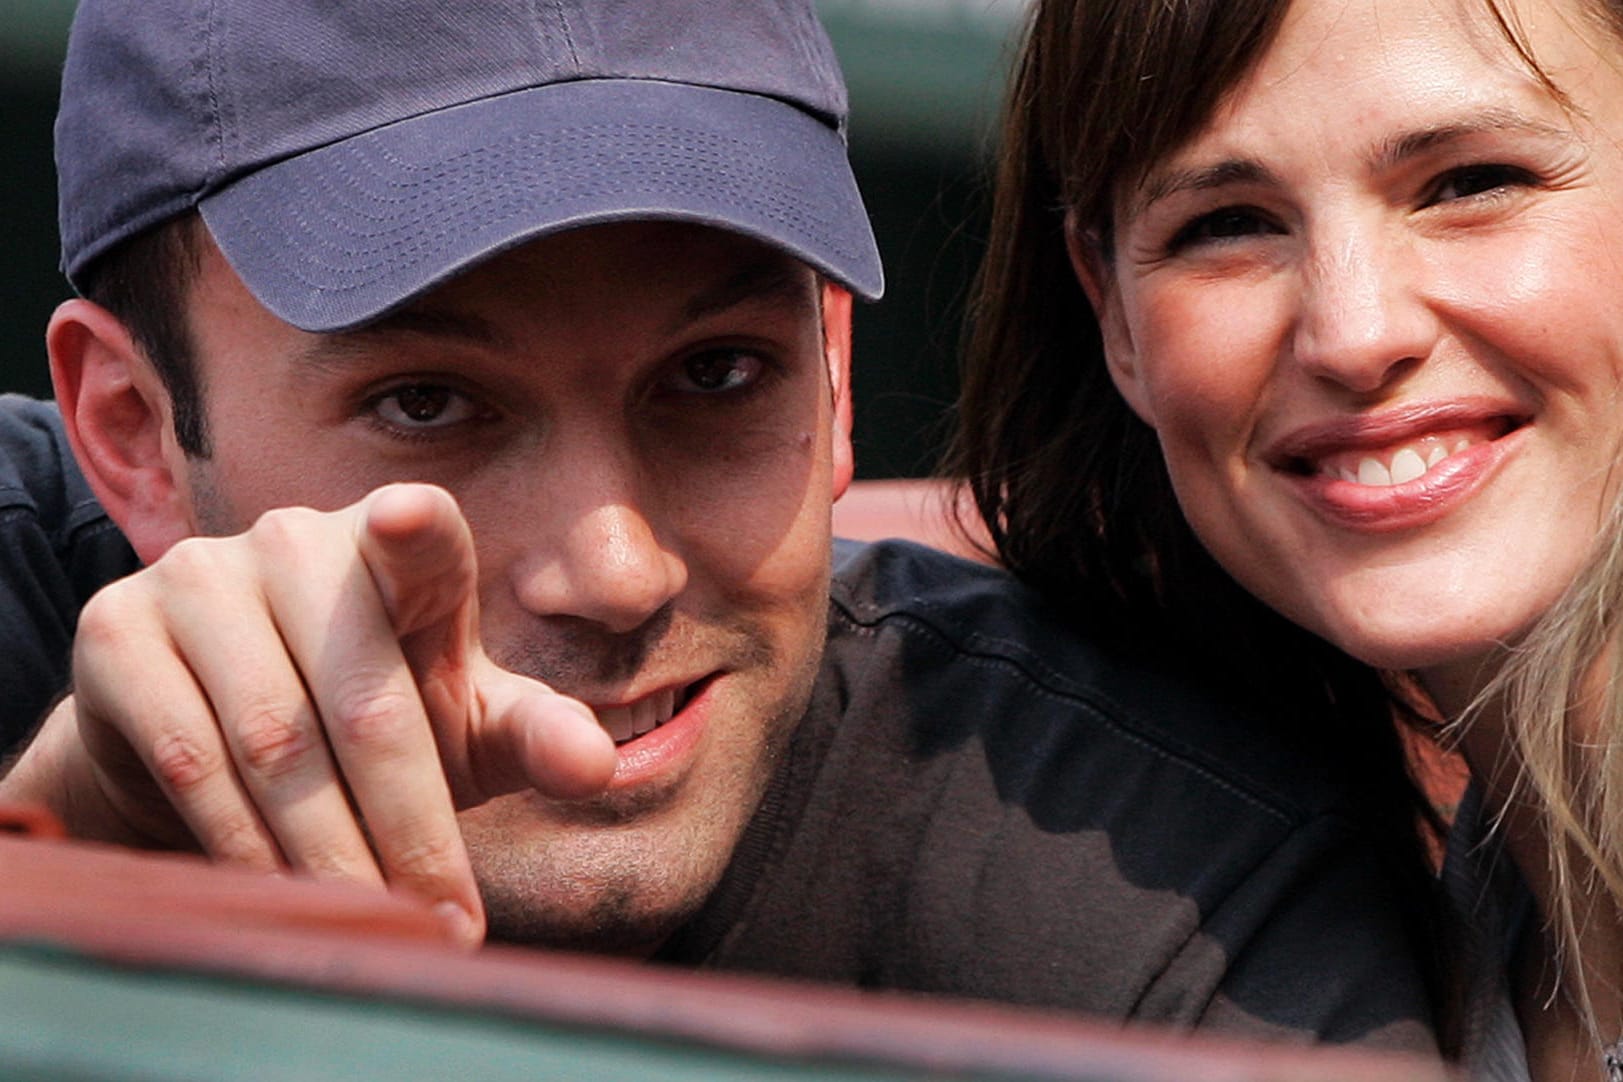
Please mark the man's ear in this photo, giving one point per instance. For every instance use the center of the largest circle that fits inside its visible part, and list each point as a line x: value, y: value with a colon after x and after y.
x: 837, y: 350
x: 1091, y: 265
x: 117, y: 415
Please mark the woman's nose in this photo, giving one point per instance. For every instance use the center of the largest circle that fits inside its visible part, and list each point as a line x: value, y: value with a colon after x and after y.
x: 1362, y: 321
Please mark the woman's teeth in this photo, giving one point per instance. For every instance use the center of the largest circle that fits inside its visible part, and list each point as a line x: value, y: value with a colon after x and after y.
x: 1407, y: 463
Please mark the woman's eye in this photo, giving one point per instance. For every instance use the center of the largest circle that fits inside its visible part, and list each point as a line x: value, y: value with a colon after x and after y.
x: 720, y: 370
x: 1217, y: 226
x: 425, y: 405
x: 1475, y: 180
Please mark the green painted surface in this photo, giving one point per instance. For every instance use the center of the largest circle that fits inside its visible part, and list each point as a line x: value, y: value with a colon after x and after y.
x: 70, y: 1019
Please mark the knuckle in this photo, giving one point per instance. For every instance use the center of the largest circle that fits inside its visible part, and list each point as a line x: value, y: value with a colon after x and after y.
x: 333, y: 862
x: 120, y: 615
x: 273, y: 741
x: 193, y: 560
x: 336, y: 852
x: 236, y: 838
x: 375, y: 717
x: 181, y: 763
x: 105, y: 619
x: 285, y: 529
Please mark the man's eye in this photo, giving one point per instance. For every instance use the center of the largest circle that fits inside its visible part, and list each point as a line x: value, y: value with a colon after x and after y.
x: 423, y: 406
x: 719, y: 370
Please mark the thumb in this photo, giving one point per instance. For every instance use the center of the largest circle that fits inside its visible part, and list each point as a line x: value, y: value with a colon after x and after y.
x: 527, y: 736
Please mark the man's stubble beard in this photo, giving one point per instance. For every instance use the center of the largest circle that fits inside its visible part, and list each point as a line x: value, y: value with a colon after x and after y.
x: 624, y: 884
x: 626, y: 877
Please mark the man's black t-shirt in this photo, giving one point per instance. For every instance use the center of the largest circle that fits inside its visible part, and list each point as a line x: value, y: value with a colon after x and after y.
x: 984, y: 802
x: 56, y: 548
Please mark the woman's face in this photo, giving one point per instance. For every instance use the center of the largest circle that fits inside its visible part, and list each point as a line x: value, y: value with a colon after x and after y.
x: 1374, y: 312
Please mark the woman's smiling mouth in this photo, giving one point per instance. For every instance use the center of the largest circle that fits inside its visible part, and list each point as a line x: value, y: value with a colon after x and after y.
x: 1383, y: 469
x: 1404, y: 461
x: 1396, y: 472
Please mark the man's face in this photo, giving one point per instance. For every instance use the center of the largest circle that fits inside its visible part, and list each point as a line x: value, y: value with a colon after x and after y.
x: 638, y: 423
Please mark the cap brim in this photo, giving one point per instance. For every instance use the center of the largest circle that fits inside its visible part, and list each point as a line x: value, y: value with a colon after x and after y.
x: 341, y: 235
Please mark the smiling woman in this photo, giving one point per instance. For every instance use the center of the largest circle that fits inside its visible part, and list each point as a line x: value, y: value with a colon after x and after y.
x: 1312, y: 303
x: 1359, y: 263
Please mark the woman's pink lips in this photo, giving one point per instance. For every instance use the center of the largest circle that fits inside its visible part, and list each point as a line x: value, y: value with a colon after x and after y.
x: 1429, y: 497
x: 1485, y: 419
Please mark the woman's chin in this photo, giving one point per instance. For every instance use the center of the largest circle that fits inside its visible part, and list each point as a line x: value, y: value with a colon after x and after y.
x: 1452, y: 667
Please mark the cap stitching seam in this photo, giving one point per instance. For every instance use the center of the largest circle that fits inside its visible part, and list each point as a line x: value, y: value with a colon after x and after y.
x: 569, y: 40
x: 393, y: 252
x: 214, y: 92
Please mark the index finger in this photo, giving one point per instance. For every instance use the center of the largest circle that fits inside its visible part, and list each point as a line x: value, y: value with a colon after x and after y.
x: 333, y: 620
x: 497, y: 731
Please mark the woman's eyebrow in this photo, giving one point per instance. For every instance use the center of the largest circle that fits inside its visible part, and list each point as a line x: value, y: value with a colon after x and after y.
x: 1389, y: 153
x: 1397, y: 149
x: 1159, y: 185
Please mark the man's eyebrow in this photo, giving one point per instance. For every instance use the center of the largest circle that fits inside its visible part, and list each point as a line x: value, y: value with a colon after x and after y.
x: 413, y: 321
x: 773, y: 282
x: 777, y: 282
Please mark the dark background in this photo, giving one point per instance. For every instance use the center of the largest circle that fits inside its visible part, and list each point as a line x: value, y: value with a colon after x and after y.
x: 925, y: 76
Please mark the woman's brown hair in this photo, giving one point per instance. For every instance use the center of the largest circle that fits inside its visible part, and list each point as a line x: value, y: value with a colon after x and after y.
x: 1071, y: 485
x: 1069, y: 482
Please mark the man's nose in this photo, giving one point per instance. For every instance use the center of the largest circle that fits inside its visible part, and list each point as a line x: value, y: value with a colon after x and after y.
x: 1362, y: 319
x: 604, y: 554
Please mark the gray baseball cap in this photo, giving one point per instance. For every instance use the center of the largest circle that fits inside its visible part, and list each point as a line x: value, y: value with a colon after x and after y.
x: 347, y: 155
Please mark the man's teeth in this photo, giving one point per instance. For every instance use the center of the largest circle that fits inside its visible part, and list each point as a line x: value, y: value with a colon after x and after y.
x: 643, y: 716
x: 1408, y: 463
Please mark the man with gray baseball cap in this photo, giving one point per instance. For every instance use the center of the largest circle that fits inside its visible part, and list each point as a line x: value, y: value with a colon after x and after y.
x: 348, y: 157
x: 473, y: 380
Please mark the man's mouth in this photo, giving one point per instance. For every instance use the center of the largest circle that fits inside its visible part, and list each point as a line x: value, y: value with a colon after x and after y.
x: 628, y: 721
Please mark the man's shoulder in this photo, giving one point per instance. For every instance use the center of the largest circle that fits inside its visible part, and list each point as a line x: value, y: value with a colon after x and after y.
x: 53, y: 532
x: 57, y: 547
x: 996, y: 658
x: 38, y: 476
